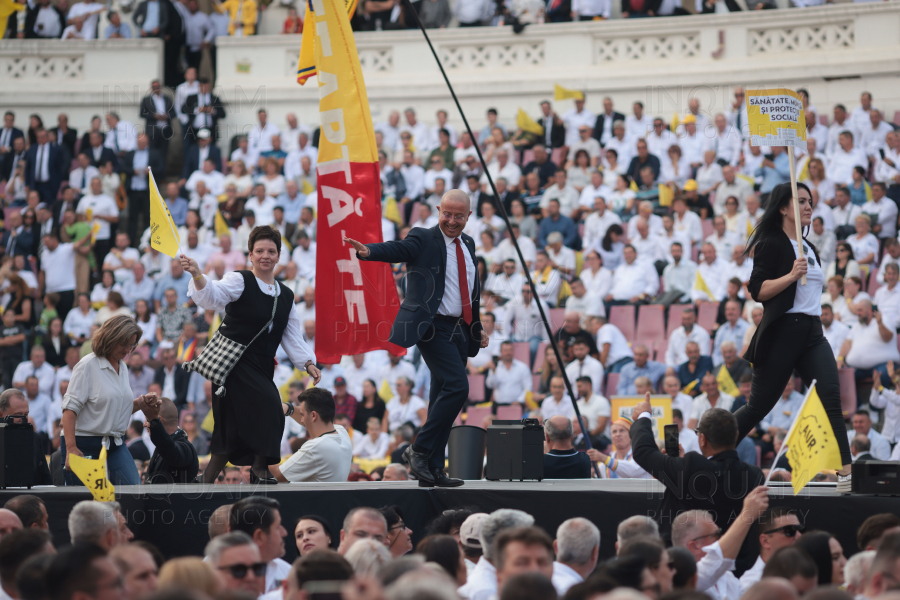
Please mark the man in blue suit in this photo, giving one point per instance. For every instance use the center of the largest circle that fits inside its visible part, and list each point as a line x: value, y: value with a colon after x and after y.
x: 198, y: 153
x: 43, y: 169
x: 438, y: 318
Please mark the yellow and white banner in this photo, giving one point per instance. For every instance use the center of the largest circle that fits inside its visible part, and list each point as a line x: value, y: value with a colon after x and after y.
x: 775, y: 118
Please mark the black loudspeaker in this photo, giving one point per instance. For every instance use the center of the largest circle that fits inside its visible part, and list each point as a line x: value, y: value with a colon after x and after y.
x: 515, y: 450
x: 16, y: 455
x: 878, y: 477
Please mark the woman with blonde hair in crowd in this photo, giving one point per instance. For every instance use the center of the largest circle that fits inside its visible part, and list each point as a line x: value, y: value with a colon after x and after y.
x: 192, y: 573
x: 865, y: 245
x: 819, y: 183
x: 240, y: 178
x: 853, y: 295
x: 834, y: 294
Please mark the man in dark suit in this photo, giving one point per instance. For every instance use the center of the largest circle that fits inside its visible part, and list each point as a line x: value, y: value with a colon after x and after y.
x: 175, y: 459
x: 100, y: 154
x: 158, y: 111
x: 563, y: 461
x: 137, y: 185
x: 179, y: 377
x: 44, y: 167
x: 204, y: 109
x: 603, y: 126
x: 50, y: 25
x: 440, y: 315
x: 198, y: 153
x: 136, y: 446
x: 860, y: 448
x: 64, y: 136
x: 554, y: 128
x: 9, y: 133
x: 9, y: 160
x: 715, y: 480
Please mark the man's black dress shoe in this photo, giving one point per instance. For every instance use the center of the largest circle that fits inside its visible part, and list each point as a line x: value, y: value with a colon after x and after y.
x: 418, y: 465
x: 442, y: 480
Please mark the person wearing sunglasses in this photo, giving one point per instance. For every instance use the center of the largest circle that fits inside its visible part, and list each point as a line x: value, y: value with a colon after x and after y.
x: 778, y: 528
x: 236, y: 558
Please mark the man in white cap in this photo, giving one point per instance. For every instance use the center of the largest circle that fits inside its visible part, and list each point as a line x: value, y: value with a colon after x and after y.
x: 470, y: 540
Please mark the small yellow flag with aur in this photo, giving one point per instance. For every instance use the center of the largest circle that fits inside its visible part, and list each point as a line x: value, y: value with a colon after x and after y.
x: 163, y: 233
x: 726, y: 382
x: 561, y: 93
x: 526, y: 123
x: 221, y: 226
x: 92, y: 474
x: 811, y: 443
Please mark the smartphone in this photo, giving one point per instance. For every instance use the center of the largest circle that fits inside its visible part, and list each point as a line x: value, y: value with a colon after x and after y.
x: 769, y: 156
x: 881, y: 152
x: 670, y: 434
x: 323, y: 590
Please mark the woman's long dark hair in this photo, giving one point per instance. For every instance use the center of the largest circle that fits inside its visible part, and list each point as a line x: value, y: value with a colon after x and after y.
x: 772, y: 222
x: 607, y: 239
x: 816, y: 543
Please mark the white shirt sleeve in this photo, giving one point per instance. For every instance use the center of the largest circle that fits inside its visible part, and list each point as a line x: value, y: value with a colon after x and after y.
x: 712, y: 567
x: 293, y: 343
x: 216, y: 294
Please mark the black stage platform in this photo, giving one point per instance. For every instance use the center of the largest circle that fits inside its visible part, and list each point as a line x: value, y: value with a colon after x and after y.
x: 175, y: 518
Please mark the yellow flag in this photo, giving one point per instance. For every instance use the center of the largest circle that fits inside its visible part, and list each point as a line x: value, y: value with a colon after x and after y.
x: 285, y: 388
x: 726, y: 382
x: 221, y: 226
x: 214, y: 327
x: 209, y: 423
x: 561, y: 93
x: 811, y: 443
x: 306, y: 187
x: 676, y: 119
x: 700, y: 284
x: 8, y: 7
x: 306, y: 64
x: 385, y: 390
x: 163, y: 233
x: 526, y: 123
x: 391, y: 211
x: 749, y: 227
x: 804, y: 172
x: 666, y: 195
x: 633, y: 186
x: 92, y: 474
x: 530, y: 403
x: 687, y: 389
x: 95, y: 229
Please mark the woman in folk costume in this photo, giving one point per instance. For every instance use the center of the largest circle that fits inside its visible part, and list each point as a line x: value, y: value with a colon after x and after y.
x: 259, y: 313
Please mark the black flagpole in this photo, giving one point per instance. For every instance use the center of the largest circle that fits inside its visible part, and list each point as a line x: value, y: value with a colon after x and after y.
x: 410, y: 10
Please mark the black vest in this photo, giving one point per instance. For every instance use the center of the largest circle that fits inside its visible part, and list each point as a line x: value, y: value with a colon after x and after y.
x: 248, y: 314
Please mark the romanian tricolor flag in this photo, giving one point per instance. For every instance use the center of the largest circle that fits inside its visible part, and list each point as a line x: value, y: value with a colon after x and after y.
x: 187, y: 351
x: 356, y: 302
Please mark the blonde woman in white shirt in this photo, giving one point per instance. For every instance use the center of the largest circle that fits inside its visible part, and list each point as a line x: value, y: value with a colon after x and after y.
x: 853, y: 294
x: 405, y: 407
x: 240, y: 178
x: 98, y: 404
x: 834, y: 295
x: 375, y: 443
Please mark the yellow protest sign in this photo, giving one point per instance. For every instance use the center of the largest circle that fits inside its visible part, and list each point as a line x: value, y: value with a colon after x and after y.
x: 660, y: 414
x: 92, y: 474
x: 811, y: 443
x: 775, y: 118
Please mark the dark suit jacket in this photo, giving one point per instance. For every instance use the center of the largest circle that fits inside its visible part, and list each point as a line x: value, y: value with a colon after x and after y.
x: 154, y: 160
x: 138, y: 450
x: 192, y: 159
x: 190, y: 109
x: 6, y: 166
x: 55, y: 166
x: 601, y: 123
x: 425, y: 255
x: 181, y: 384
x: 567, y: 464
x: 57, y: 210
x: 31, y: 16
x: 772, y: 258
x: 140, y: 14
x: 557, y: 134
x: 717, y: 484
x: 175, y: 458
x: 148, y: 112
x: 70, y: 137
x: 16, y: 132
x: 704, y: 366
x: 106, y: 155
x: 41, y: 470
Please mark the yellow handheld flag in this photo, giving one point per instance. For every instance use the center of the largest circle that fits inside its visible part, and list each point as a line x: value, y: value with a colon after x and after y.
x: 385, y: 390
x: 726, y: 382
x: 561, y: 93
x: 95, y: 229
x: 700, y: 284
x: 163, y: 234
x: 221, y: 226
x: 306, y: 64
x: 811, y: 443
x: 214, y: 326
x: 526, y: 123
x: 92, y: 474
x: 392, y: 210
x: 666, y: 195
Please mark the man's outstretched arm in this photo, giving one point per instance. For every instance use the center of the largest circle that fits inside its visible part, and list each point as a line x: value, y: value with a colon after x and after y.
x: 391, y: 252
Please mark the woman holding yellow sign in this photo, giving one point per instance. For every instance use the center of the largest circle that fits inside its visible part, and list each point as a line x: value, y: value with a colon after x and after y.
x: 790, y: 334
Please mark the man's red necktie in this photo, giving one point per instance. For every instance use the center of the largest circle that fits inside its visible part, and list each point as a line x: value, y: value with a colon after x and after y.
x: 463, y: 283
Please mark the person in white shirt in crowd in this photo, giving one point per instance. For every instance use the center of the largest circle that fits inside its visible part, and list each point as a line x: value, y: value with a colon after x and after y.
x: 619, y: 464
x: 489, y: 222
x: 865, y: 245
x: 585, y: 365
x: 510, y: 379
x: 887, y: 400
x: 844, y: 212
x: 834, y: 331
x: 261, y: 205
x: 588, y: 144
x: 418, y: 130
x: 874, y: 134
x: 596, y: 278
x: 660, y: 139
x: 597, y: 222
x: 584, y: 302
x: 870, y: 345
x: 740, y: 267
x: 778, y: 528
x: 291, y: 132
x: 597, y: 188
x: 424, y: 218
x: 304, y: 255
x: 260, y: 135
x: 523, y: 320
x: 712, y: 397
x: 575, y: 118
x: 709, y: 175
x: 594, y: 408
x: 561, y: 191
x: 214, y: 180
x: 687, y: 222
x: 80, y: 177
x: 862, y: 425
x: 503, y: 167
x: 577, y: 548
x: 558, y: 402
x: 891, y: 256
x: 816, y: 132
x: 483, y: 362
x: 731, y: 185
x: 852, y: 296
x: 678, y: 276
x: 437, y: 171
x: 733, y: 330
x: 482, y: 582
x: 645, y: 211
x: 390, y: 130
x: 547, y: 280
x: 637, y: 125
x: 391, y: 371
x: 36, y: 367
x: 633, y: 281
x: 712, y: 272
x: 824, y: 240
x: 359, y: 370
x: 507, y: 283
x: 726, y: 143
x: 691, y: 139
x: 624, y: 147
x: 887, y: 297
x: 122, y: 258
x: 687, y: 439
x: 860, y: 116
x: 375, y: 443
x: 751, y: 163
x: 886, y: 166
x: 405, y: 407
x: 723, y: 240
x: 841, y: 123
x: 615, y: 351
x: 844, y: 158
x: 647, y: 247
x: 688, y: 332
x: 885, y: 209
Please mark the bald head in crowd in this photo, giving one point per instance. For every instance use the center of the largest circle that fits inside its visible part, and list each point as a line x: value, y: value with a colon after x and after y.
x: 8, y: 521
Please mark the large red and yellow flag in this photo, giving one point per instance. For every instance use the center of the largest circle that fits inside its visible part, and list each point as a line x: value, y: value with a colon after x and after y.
x: 306, y: 64
x: 356, y: 301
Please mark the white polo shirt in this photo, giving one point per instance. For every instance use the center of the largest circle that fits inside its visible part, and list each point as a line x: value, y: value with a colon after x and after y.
x: 325, y: 458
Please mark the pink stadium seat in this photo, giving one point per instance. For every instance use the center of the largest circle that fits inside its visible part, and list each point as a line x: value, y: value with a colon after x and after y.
x: 650, y: 324
x: 706, y: 316
x: 510, y: 413
x: 556, y: 316
x: 675, y: 311
x: 611, y: 382
x: 660, y: 348
x: 144, y: 351
x: 528, y: 157
x: 708, y: 228
x: 476, y: 388
x: 475, y: 416
x: 623, y: 318
x: 873, y: 282
x: 522, y: 351
x: 458, y: 420
x: 847, y: 380
x: 695, y: 254
x: 558, y: 156
x: 539, y: 357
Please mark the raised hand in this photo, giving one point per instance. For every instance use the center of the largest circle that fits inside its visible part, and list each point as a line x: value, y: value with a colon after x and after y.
x: 359, y: 247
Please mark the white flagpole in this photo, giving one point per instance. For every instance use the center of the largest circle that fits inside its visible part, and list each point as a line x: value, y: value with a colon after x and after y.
x: 784, y: 447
